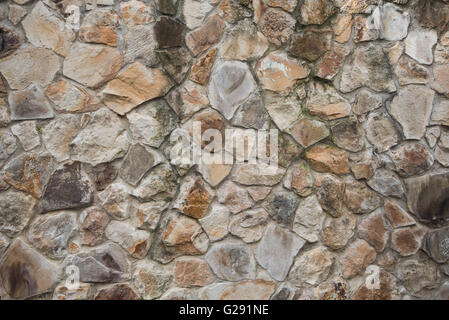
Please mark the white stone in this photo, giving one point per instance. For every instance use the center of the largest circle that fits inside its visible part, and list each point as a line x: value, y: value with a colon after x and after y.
x: 419, y: 45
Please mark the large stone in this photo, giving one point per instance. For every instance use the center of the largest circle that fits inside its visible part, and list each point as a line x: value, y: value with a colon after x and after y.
x: 151, y: 279
x: 201, y: 68
x: 368, y: 66
x: 136, y: 242
x: 28, y: 66
x: 92, y: 65
x: 215, y: 224
x: 284, y: 111
x: 299, y: 179
x: 315, y: 11
x: 10, y: 42
x: 5, y: 118
x: 356, y: 258
x: 168, y: 32
x: 277, y: 250
x: 116, y: 200
x: 45, y: 29
x: 436, y: 245
x: 343, y: 27
x: 194, y: 12
x: 251, y: 174
x: 233, y: 11
x: 121, y: 291
x: 230, y: 85
x: 410, y: 72
x: 25, y: 273
x: 100, y: 26
x: 192, y: 272
x: 349, y: 135
x: 417, y: 274
x: 27, y: 134
x: 147, y: 215
x: 102, y: 175
x: 277, y: 25
x: 330, y: 194
x: 67, y: 188
x: 361, y: 199
x: 287, y: 5
x: 411, y: 159
x: 160, y: 183
x: 308, y: 219
x: 249, y: 225
x: 373, y: 229
x: 441, y: 75
x: 407, y: 241
x: 281, y: 206
x: 331, y: 62
x: 234, y: 197
x: 59, y: 133
x: 252, y: 113
x: 16, y: 209
x: 312, y: 267
x: 232, y: 261
x: 140, y: 43
x: 326, y: 158
x: 336, y: 232
x: 93, y: 222
x: 366, y: 101
x: 206, y: 36
x: 187, y: 99
x: 102, y: 140
x: 136, y: 12
x: 133, y: 86
x: 392, y: 22
x: 258, y: 289
x: 431, y: 14
x: 442, y: 49
x: 137, y: 162
x: 310, y: 44
x: 386, y: 290
x: 29, y: 103
x: 194, y: 197
x: 397, y: 215
x: 386, y: 183
x: 68, y: 97
x: 440, y: 113
x: 176, y: 61
x: 381, y: 132
x: 419, y: 45
x: 356, y: 6
x: 324, y: 101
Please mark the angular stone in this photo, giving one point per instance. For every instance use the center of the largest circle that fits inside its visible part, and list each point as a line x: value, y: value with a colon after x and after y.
x: 436, y: 244
x: 386, y: 290
x: 116, y: 200
x: 45, y: 29
x: 11, y: 41
x: 136, y: 163
x: 442, y: 156
x: 409, y: 72
x: 133, y: 86
x: 394, y: 52
x: 147, y: 215
x: 168, y: 33
x: 93, y: 222
x: 407, y: 241
x: 5, y: 118
x: 441, y: 75
x: 59, y: 133
x: 284, y: 111
x: 208, y: 119
x: 356, y: 258
x: 194, y: 12
x: 136, y: 13
x: 363, y: 170
x: 250, y: 174
x: 258, y: 289
x: 349, y: 135
x: 230, y: 85
x: 287, y: 5
x: 325, y: 102
x: 373, y: 229
x: 330, y: 193
x: 342, y: 28
x: 176, y: 62
x: 194, y: 197
x: 100, y: 26
x: 432, y: 14
x: 187, y: 99
x: 252, y: 113
x: 140, y: 43
x: 258, y: 193
x: 308, y: 219
x: 365, y: 29
x: 368, y: 66
x: 67, y: 188
x: 381, y: 131
x: 244, y: 42
x: 392, y: 22
x: 356, y: 6
x: 308, y: 132
x: 27, y: 134
x: 215, y: 224
x: 16, y: 13
x: 121, y: 291
x: 281, y: 206
x: 277, y: 250
x: 315, y: 11
x: 206, y: 36
x: 361, y: 199
x: 4, y: 244
x: 62, y: 292
x: 160, y: 183
x: 397, y: 215
x: 67, y: 97
x: 167, y: 7
x: 325, y: 158
x: 331, y: 63
x: 310, y: 44
x: 336, y: 232
x: 192, y: 272
x: 102, y: 175
x: 136, y: 242
x: 234, y: 197
x: 411, y: 159
x: 442, y: 49
x: 417, y: 274
x: 366, y: 101
x: 312, y: 267
x: 8, y: 145
x: 16, y: 209
x: 151, y: 122
x: 299, y: 179
x: 419, y: 45
x: 28, y: 104
x: 386, y: 183
x: 151, y: 279
x: 233, y: 11
x: 412, y: 108
x: 440, y: 113
x: 249, y: 225
x: 37, y: 274
x: 288, y: 150
x: 277, y: 25
x: 102, y: 140
x: 201, y: 68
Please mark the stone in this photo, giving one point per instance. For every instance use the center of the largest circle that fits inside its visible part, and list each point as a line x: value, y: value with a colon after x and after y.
x: 312, y: 267
x: 299, y: 179
x: 102, y: 175
x: 187, y: 99
x: 325, y: 102
x: 288, y: 150
x: 208, y: 119
x: 116, y: 200
x: 234, y: 197
x: 133, y: 86
x: 281, y: 206
x: 373, y: 229
x: 180, y: 294
x: 230, y: 85
x: 412, y: 107
x: 251, y: 114
x: 258, y: 192
x: 8, y: 145
x: 356, y: 258
x: 277, y: 25
x: 311, y: 44
x: 233, y: 11
x: 93, y: 222
x: 243, y: 42
x: 308, y: 219
x: 194, y: 12
x: 284, y: 111
x: 440, y: 113
x: 29, y: 104
x: 285, y: 292
x: 277, y: 250
x: 192, y: 272
x: 368, y: 66
x: 331, y: 62
x: 147, y: 215
x: 330, y: 194
x: 67, y: 188
x: 432, y: 15
x: 365, y: 29
x: 435, y: 244
x: 29, y: 65
x: 45, y: 29
x: 366, y: 101
x: 386, y: 183
x: 394, y: 52
x: 441, y: 75
x: 92, y: 65
x: 361, y: 199
x: 151, y: 122
x: 417, y: 274
x: 442, y: 49
x: 257, y: 289
x: 51, y: 234
x: 363, y: 170
x: 214, y: 174
x: 397, y: 215
x: 29, y: 172
x: 349, y: 135
x: 336, y: 232
x: 100, y: 26
x: 441, y: 156
x: 27, y: 134
x: 4, y: 244
x: 176, y: 62
x: 411, y: 159
x: 10, y: 40
x: 206, y: 36
x: 419, y: 45
x: 392, y: 20
x: 103, y: 264
x: 160, y: 184
x: 343, y: 27
x: 102, y: 140
x: 385, y: 291
x: 356, y: 6
x: 37, y: 274
x: 16, y: 13
x: 407, y: 241
x: 325, y: 158
x: 167, y: 7
x: 151, y: 279
x: 287, y: 5
x: 62, y: 292
x: 121, y: 291
x: 168, y: 32
x: 410, y: 72
x: 249, y: 225
x: 16, y: 210
x: 231, y: 261
x: 136, y: 13
x: 215, y: 224
x: 136, y: 242
x: 5, y: 118
x: 67, y: 97
x: 315, y: 12
x: 251, y: 174
x: 194, y: 197
x: 202, y: 66
x: 137, y: 162
x: 381, y: 132
x: 59, y: 133
x: 140, y: 43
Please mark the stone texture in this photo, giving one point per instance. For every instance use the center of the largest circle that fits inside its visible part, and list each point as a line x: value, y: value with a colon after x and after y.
x: 315, y: 12
x: 201, y: 68
x: 410, y: 72
x: 137, y: 162
x: 361, y: 199
x: 93, y: 222
x: 252, y: 113
x: 299, y: 179
x: 331, y: 62
x: 325, y: 158
x: 147, y: 215
x: 336, y: 232
x: 330, y: 194
x: 59, y: 133
x: 325, y: 102
x: 308, y: 219
x: 194, y: 197
x: 419, y: 45
x: 312, y: 267
x: 386, y: 183
x: 407, y: 241
x: 187, y: 99
x: 121, y: 291
x: 277, y: 250
x: 27, y: 134
x: 234, y: 197
x: 366, y: 101
x: 136, y: 13
x: 16, y: 13
x: 397, y: 215
x: 284, y: 111
x: 441, y: 75
x: 440, y: 113
x: 310, y: 44
x: 373, y: 229
x: 215, y: 224
x: 436, y: 245
x: 29, y: 104
x: 168, y: 32
x: 140, y: 43
x: 381, y: 131
x: 393, y: 21
x: 349, y: 135
x: 411, y: 159
x: 206, y: 36
x: 16, y: 210
x: 356, y: 258
x: 67, y: 97
x: 136, y: 242
x: 277, y: 26
x: 192, y: 272
x: 176, y: 62
x: 116, y: 200
x: 249, y: 225
x: 100, y: 26
x: 281, y: 206
x: 258, y: 289
x: 160, y: 183
x: 151, y: 279
x: 102, y: 175
x: 385, y: 291
x: 194, y: 12
x: 308, y: 132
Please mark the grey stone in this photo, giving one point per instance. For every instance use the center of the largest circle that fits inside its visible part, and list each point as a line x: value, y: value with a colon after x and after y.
x: 312, y: 267
x: 16, y: 209
x: 27, y: 134
x: 136, y: 163
x: 308, y: 219
x: 386, y: 183
x: 436, y: 245
x: 59, y: 133
x: 140, y: 44
x: 160, y: 183
x: 419, y: 45
x: 251, y: 114
x: 8, y: 145
x: 281, y: 206
x: 176, y: 62
x: 349, y: 135
x: 249, y: 225
x: 366, y: 101
x: 29, y: 103
x: 381, y: 132
x: 136, y: 242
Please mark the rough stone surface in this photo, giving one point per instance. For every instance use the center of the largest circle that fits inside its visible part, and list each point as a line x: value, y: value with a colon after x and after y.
x: 325, y: 102
x: 258, y: 289
x: 308, y: 219
x: 411, y: 159
x: 407, y: 241
x: 192, y: 272
x: 29, y: 104
x: 325, y: 158
x: 16, y: 210
x: 386, y: 183
x: 277, y: 26
x: 330, y: 194
x: 356, y: 258
x: 281, y: 206
x: 249, y: 225
x: 311, y: 43
x: 419, y: 45
x: 336, y: 232
x: 206, y: 36
x: 381, y: 131
x: 373, y: 229
x: 361, y: 199
x: 312, y: 267
x: 136, y: 242
x: 316, y: 12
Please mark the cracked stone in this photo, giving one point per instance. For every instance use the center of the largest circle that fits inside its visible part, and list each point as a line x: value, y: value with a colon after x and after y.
x: 100, y: 26
x: 249, y: 225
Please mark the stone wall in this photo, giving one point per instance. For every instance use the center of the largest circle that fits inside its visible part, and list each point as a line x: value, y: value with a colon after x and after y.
x: 91, y: 93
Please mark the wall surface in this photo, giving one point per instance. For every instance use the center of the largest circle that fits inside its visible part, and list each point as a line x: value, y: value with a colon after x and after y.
x: 94, y: 205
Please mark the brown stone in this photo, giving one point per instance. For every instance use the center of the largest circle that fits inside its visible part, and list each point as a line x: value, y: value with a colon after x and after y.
x: 373, y: 229
x: 10, y: 42
x: 168, y: 32
x: 397, y: 215
x: 336, y: 232
x: 67, y: 97
x: 361, y: 199
x: 325, y: 158
x: 121, y: 291
x: 349, y: 135
x: 206, y: 36
x: 343, y: 27
x: 408, y: 72
x: 93, y: 223
x: 331, y: 63
x: 100, y: 26
x: 192, y: 272
x: 315, y: 11
x: 364, y: 30
x: 356, y: 258
x: 176, y: 62
x: 330, y: 193
x: 103, y: 175
x: 202, y: 67
x: 363, y: 170
x: 311, y: 44
x: 441, y: 76
x: 386, y: 290
x: 407, y: 241
x: 234, y: 197
x: 308, y: 131
x: 299, y: 179
x: 277, y: 25
x: 411, y: 159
